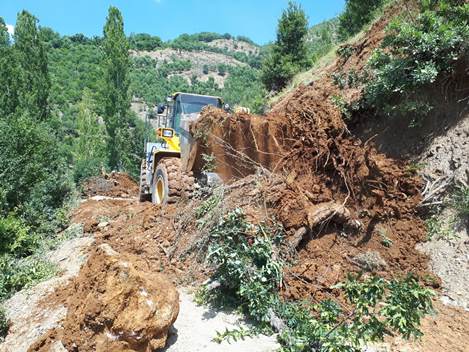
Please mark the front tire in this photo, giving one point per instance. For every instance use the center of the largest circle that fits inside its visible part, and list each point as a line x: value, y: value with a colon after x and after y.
x: 170, y: 183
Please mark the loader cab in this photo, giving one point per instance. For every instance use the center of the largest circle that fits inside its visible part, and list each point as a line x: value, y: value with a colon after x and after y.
x: 187, y: 107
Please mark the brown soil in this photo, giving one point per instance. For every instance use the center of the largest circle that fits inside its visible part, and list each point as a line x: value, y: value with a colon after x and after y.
x: 110, y: 185
x: 317, y: 162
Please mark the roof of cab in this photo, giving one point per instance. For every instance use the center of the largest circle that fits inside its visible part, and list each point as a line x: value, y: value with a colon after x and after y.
x: 174, y: 96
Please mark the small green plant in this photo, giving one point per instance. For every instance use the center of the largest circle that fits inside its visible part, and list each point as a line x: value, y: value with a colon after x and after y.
x: 209, y: 204
x: 385, y: 240
x: 4, y: 325
x: 436, y: 229
x: 15, y: 237
x: 209, y: 162
x: 234, y: 335
x: 460, y: 201
x: 345, y: 51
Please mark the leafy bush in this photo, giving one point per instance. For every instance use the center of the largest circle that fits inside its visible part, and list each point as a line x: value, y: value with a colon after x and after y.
x: 377, y: 308
x: 34, y: 178
x: 16, y: 274
x: 245, y: 263
x: 143, y: 41
x: 15, y: 237
x: 414, y: 54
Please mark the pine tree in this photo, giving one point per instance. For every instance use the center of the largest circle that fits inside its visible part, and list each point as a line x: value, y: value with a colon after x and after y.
x: 288, y: 55
x: 32, y: 60
x: 116, y: 88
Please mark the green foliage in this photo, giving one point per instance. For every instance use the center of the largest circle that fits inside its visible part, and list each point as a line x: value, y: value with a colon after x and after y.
x: 415, y: 52
x: 234, y: 335
x: 72, y: 69
x: 460, y: 201
x: 321, y: 38
x: 143, y: 41
x: 243, y: 87
x: 4, y: 35
x: 89, y: 147
x: 34, y: 179
x: 437, y: 229
x: 16, y: 238
x: 116, y: 89
x: 288, y: 55
x: 16, y: 274
x: 245, y: 264
x: 32, y: 60
x: 357, y: 13
x: 378, y: 308
x: 249, y: 272
x: 4, y: 325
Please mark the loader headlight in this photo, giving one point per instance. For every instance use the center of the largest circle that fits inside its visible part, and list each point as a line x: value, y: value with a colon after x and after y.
x: 168, y: 133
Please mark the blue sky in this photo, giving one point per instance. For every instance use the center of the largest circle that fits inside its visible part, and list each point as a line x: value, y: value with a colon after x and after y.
x: 256, y: 19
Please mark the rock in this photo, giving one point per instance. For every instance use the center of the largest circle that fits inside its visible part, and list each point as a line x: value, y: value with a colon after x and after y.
x: 57, y: 347
x: 370, y: 261
x: 103, y: 224
x: 118, y: 303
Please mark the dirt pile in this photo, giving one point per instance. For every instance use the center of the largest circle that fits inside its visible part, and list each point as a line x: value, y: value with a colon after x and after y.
x: 110, y: 185
x: 337, y: 197
x: 115, y: 304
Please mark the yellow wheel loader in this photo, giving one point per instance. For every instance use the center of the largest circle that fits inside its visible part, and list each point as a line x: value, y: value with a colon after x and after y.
x: 165, y: 174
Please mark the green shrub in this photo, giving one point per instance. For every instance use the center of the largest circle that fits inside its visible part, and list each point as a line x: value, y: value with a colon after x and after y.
x: 245, y: 263
x: 377, y: 308
x: 414, y: 53
x: 15, y: 237
x: 16, y: 274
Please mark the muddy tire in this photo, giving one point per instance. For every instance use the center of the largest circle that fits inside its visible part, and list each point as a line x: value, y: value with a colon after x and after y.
x: 170, y: 183
x: 143, y: 195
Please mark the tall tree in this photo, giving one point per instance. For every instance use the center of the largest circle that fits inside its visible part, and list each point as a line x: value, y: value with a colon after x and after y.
x: 4, y: 35
x: 89, y: 148
x: 116, y: 88
x: 289, y: 54
x: 32, y: 59
x: 9, y: 74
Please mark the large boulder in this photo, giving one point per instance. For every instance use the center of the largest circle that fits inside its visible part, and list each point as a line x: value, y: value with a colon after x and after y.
x: 117, y: 303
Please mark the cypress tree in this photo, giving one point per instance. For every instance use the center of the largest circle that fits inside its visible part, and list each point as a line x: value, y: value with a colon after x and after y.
x: 4, y: 36
x: 116, y: 88
x: 9, y: 74
x: 32, y: 60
